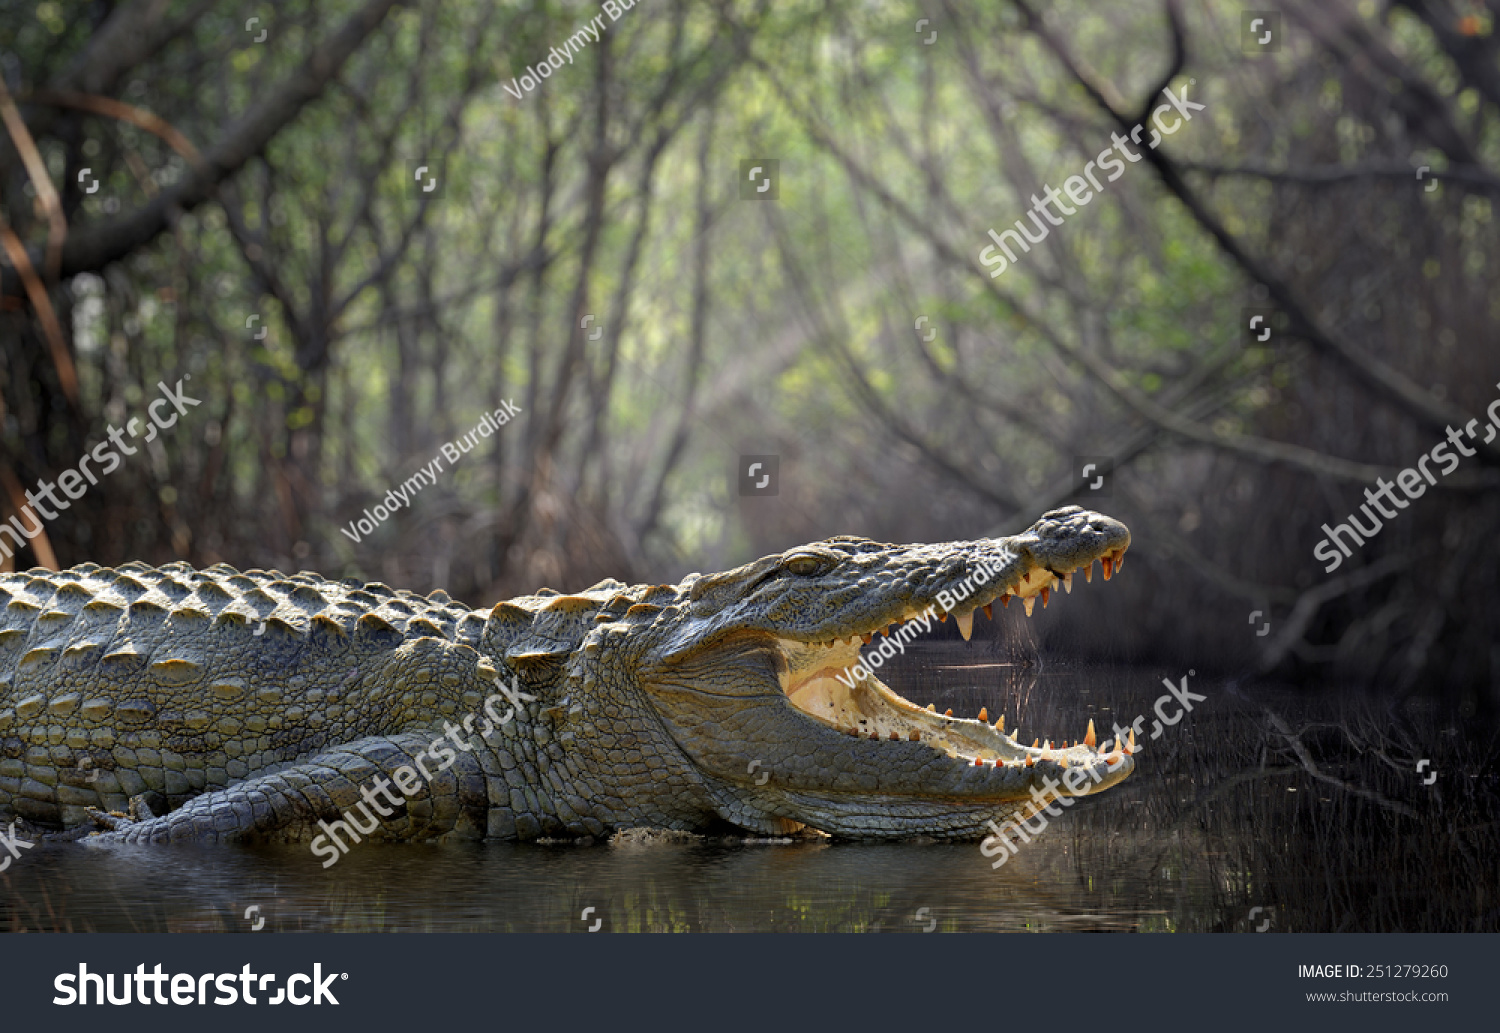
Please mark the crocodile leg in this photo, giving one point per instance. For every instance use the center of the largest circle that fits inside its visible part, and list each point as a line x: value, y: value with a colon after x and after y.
x: 340, y: 785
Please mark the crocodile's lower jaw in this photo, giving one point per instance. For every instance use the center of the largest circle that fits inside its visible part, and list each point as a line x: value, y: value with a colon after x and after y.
x: 870, y: 709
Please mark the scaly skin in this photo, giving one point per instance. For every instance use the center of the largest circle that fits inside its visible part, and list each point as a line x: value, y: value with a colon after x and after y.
x: 250, y: 707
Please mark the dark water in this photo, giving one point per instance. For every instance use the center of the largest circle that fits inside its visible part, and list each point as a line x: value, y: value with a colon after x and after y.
x: 1310, y: 810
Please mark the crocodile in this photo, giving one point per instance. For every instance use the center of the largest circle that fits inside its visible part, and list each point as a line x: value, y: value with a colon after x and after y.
x: 145, y: 704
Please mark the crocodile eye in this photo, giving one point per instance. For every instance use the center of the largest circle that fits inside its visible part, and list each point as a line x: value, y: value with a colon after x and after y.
x: 804, y: 566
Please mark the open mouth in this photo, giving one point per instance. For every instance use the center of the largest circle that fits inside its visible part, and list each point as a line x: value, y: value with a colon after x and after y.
x: 832, y: 684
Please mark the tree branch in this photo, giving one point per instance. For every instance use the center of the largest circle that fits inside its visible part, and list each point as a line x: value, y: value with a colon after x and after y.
x: 1383, y: 380
x: 97, y: 246
x: 1474, y: 176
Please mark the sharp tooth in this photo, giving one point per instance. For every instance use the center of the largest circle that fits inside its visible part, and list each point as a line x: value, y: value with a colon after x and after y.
x: 867, y: 636
x: 1046, y: 594
x: 1035, y: 743
x: 1068, y: 582
x: 886, y: 631
x: 1048, y: 746
x: 1063, y: 760
x: 895, y: 737
x: 965, y: 624
x: 1088, y: 738
x: 1000, y: 724
x: 984, y: 715
x: 1130, y: 746
x: 914, y: 736
x: 1119, y: 560
x: 1030, y: 761
x: 1005, y: 602
x: 932, y: 708
x: 1088, y: 572
x: 989, y: 615
x: 1030, y: 604
x: 943, y: 617
x: 948, y: 712
x: 1109, y: 567
x: 979, y: 762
